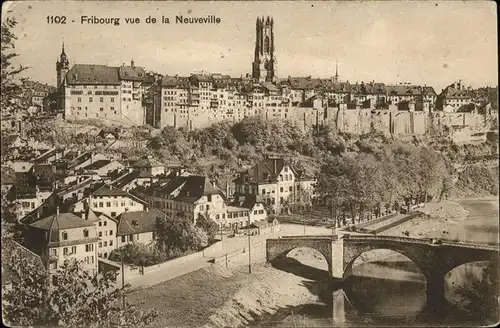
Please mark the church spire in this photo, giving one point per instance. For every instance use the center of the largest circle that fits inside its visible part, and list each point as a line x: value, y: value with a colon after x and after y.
x: 62, y: 52
x: 337, y: 71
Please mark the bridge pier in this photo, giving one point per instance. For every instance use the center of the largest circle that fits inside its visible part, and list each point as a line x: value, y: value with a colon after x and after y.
x: 436, y: 300
x: 338, y: 307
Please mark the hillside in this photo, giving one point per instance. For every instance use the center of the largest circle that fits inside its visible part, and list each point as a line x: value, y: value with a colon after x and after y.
x: 225, y: 148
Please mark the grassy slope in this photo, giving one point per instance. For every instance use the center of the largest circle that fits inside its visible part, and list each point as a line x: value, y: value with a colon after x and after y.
x: 189, y: 300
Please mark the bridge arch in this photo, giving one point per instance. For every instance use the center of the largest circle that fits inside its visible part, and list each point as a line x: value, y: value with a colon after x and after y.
x: 280, y: 248
x: 359, y: 252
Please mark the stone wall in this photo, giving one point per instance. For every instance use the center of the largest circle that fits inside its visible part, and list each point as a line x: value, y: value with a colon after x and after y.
x: 354, y: 121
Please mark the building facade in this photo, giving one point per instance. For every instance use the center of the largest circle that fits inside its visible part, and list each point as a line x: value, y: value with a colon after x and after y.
x: 62, y: 237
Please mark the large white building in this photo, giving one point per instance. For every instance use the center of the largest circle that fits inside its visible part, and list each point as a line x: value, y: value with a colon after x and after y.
x: 112, y: 94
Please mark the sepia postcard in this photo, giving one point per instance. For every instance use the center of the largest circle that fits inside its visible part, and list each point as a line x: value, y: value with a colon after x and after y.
x: 249, y: 164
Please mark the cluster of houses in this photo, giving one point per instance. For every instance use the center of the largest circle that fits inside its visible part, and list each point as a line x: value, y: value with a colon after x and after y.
x: 84, y: 205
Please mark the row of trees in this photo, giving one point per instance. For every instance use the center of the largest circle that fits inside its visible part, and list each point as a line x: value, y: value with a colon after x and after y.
x: 77, y: 299
x: 365, y: 184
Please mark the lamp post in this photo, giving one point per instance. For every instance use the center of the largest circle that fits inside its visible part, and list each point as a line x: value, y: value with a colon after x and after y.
x: 123, y: 282
x: 249, y: 247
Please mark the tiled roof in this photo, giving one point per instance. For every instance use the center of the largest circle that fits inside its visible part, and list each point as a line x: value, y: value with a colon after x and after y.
x: 61, y: 221
x: 8, y: 176
x: 265, y: 171
x: 131, y: 73
x: 174, y: 81
x: 9, y: 247
x: 188, y: 188
x: 87, y: 74
x: 138, y: 222
x: 147, y: 162
x: 107, y: 190
x: 406, y: 90
x: 97, y: 164
x: 451, y: 92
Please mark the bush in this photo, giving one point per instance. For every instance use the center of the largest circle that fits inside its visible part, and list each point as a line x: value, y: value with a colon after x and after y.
x: 136, y: 254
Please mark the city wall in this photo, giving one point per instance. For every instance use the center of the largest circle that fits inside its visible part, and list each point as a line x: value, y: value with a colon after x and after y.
x: 355, y: 121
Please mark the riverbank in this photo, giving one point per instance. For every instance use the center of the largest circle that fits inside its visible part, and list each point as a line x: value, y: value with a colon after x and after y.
x: 221, y: 297
x: 457, y: 219
x: 216, y: 296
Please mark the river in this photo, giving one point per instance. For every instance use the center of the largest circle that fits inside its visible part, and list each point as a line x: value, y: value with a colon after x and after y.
x: 391, y: 292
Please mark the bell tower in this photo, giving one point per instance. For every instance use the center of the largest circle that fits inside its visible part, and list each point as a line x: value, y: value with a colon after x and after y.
x: 62, y: 67
x: 264, y: 64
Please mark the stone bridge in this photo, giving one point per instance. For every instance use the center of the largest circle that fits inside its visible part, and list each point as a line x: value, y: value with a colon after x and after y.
x: 435, y: 258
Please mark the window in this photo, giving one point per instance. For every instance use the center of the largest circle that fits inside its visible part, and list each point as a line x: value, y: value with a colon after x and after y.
x: 217, y: 216
x: 263, y: 191
x: 101, y: 99
x: 65, y: 251
x: 112, y: 108
x: 208, y: 207
x: 290, y: 188
x: 105, y: 244
x: 281, y: 189
x: 122, y: 203
x: 99, y: 254
x: 73, y: 250
x: 255, y: 212
x: 108, y: 204
x: 110, y: 243
x: 89, y: 247
x: 100, y: 233
x: 90, y: 99
x: 64, y: 235
x: 131, y: 237
x: 94, y: 204
x: 123, y: 239
x: 100, y: 244
x: 100, y: 223
x: 85, y: 233
x: 209, y: 198
x: 79, y: 99
x: 131, y: 203
x: 113, y: 99
x: 101, y: 204
x: 53, y: 266
x: 201, y: 207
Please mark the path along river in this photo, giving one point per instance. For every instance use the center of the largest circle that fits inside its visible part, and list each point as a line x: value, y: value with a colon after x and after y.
x: 391, y: 292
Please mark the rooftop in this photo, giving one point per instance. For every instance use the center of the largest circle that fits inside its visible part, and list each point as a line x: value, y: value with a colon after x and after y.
x: 61, y: 221
x: 138, y: 222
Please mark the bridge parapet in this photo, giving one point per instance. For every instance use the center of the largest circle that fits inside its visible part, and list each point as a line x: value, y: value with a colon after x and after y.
x: 421, y: 241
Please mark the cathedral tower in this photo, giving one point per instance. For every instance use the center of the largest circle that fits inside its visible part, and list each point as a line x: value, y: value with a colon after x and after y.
x: 62, y: 67
x: 264, y: 64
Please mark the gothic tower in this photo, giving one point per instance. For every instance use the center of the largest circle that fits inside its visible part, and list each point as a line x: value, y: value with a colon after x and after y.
x: 264, y: 64
x: 62, y: 67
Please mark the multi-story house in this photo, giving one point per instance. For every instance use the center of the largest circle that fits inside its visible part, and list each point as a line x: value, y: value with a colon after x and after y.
x: 277, y: 183
x: 137, y: 227
x: 101, y: 92
x: 149, y: 166
x: 455, y: 96
x: 61, y: 237
x: 189, y: 196
x: 106, y: 229
x: 109, y: 200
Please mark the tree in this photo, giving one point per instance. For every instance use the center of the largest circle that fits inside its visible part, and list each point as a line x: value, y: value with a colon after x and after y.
x: 10, y: 87
x: 179, y: 235
x: 77, y: 299
x: 209, y: 226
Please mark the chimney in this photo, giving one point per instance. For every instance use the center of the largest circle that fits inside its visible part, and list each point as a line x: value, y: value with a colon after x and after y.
x: 275, y: 160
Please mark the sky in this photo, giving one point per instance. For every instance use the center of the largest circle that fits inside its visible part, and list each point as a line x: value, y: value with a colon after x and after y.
x: 433, y: 43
